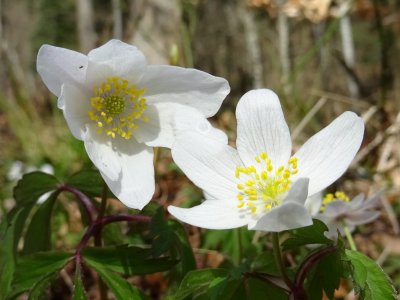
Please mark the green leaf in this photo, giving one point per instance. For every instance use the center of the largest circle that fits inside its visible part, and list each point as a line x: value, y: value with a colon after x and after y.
x: 36, y: 267
x: 38, y: 235
x: 164, y: 236
x: 10, y: 232
x: 313, y: 234
x: 233, y: 243
x: 259, y: 290
x: 198, y: 281
x: 128, y: 260
x: 370, y: 281
x: 171, y: 236
x: 265, y: 262
x: 32, y: 186
x: 320, y: 279
x: 223, y: 288
x: 121, y: 289
x: 88, y: 182
x: 38, y: 290
x: 79, y: 290
x: 182, y: 245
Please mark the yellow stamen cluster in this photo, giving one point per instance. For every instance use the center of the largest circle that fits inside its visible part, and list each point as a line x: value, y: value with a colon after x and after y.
x: 332, y: 197
x: 263, y: 186
x: 116, y: 107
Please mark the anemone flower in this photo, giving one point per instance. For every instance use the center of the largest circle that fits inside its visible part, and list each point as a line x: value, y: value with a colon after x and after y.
x: 120, y: 107
x: 260, y: 184
x: 338, y: 211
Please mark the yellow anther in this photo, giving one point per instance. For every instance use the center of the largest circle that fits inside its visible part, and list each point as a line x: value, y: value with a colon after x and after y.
x: 264, y: 175
x: 251, y: 191
x: 250, y: 182
x: 237, y: 172
x: 286, y: 174
x: 240, y: 205
x: 341, y: 196
x: 265, y: 188
x: 118, y: 105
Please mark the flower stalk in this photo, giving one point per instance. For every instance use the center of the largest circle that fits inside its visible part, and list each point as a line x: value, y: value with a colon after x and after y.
x: 86, y: 202
x: 97, y: 237
x: 349, y: 237
x: 278, y: 259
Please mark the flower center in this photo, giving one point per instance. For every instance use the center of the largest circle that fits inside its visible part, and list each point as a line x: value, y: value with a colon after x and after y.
x: 262, y: 187
x: 341, y: 196
x: 117, y: 107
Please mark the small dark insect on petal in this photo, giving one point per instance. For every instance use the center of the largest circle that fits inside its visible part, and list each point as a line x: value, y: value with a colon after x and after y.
x: 80, y: 67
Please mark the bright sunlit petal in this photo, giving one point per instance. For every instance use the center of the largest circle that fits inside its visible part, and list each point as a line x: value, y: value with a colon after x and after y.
x: 189, y: 87
x: 211, y: 214
x: 57, y: 66
x: 262, y: 127
x: 327, y: 155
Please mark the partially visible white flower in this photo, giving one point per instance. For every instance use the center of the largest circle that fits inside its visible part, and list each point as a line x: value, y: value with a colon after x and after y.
x: 337, y: 211
x: 18, y: 169
x: 120, y: 107
x: 260, y: 184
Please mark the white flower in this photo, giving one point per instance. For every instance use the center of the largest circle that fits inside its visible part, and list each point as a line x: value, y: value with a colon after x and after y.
x: 120, y: 107
x: 337, y: 211
x: 18, y: 169
x: 260, y: 184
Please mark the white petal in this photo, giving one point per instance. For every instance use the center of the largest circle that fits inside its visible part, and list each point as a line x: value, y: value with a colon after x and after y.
x: 362, y: 218
x: 58, y: 65
x: 327, y: 155
x: 158, y: 131
x: 209, y: 163
x: 357, y: 202
x: 189, y: 119
x: 115, y: 58
x: 211, y: 214
x: 298, y: 192
x: 336, y: 208
x: 135, y: 185
x: 190, y: 87
x: 372, y: 201
x: 76, y: 107
x: 313, y: 203
x: 100, y: 150
x: 288, y: 215
x: 262, y: 127
x: 333, y: 227
x: 166, y: 120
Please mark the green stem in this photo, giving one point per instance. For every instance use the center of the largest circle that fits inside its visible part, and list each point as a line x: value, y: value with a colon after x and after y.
x: 349, y: 238
x: 97, y: 238
x: 278, y: 259
x: 240, y: 244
